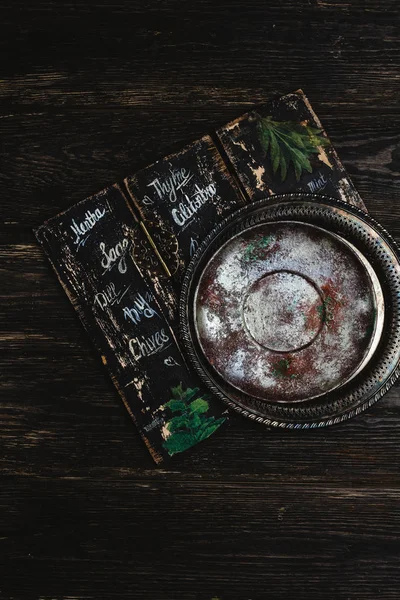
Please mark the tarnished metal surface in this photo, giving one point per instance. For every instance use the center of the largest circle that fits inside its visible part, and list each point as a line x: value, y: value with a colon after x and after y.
x: 290, y: 312
x: 286, y: 311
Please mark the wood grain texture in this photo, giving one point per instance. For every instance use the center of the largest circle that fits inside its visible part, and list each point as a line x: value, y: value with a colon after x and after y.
x: 89, y: 94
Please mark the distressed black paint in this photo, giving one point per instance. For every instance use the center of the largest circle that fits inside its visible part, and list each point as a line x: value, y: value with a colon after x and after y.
x: 253, y: 161
x: 92, y: 249
x: 181, y: 197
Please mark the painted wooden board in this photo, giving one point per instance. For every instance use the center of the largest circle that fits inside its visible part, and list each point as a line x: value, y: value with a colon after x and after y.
x: 121, y: 254
x: 92, y: 247
x: 181, y: 197
x: 282, y: 147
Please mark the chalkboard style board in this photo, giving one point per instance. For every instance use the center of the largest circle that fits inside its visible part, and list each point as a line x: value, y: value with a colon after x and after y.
x: 92, y: 247
x: 121, y: 254
x: 181, y: 197
x: 282, y: 147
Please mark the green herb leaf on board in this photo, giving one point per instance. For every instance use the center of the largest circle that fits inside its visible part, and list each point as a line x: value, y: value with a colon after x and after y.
x: 290, y: 144
x: 190, y: 422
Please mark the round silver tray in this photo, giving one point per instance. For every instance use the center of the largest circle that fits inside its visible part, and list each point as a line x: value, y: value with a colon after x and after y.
x: 234, y: 303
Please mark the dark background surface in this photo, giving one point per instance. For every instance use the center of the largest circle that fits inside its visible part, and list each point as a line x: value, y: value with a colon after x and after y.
x: 88, y: 95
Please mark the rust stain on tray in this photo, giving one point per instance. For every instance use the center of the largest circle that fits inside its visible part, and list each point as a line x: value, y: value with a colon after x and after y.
x: 285, y: 311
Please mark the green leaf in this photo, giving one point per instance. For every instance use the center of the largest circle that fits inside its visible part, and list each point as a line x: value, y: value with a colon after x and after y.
x: 275, y: 152
x: 290, y: 144
x: 190, y: 393
x: 316, y: 136
x: 177, y: 392
x: 176, y: 405
x: 180, y: 422
x: 283, y: 167
x: 199, y: 406
x: 191, y: 424
x: 209, y: 427
x: 296, y: 138
x: 302, y: 160
x: 178, y: 442
x: 264, y: 134
x: 297, y: 170
x: 195, y: 421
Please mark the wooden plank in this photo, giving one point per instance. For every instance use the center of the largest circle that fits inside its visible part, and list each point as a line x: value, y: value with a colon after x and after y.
x: 104, y: 263
x: 181, y: 197
x: 89, y: 95
x: 143, y: 53
x: 209, y: 539
x: 54, y: 420
x: 75, y: 156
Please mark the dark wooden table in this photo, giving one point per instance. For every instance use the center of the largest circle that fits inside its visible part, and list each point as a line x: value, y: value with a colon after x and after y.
x: 88, y: 95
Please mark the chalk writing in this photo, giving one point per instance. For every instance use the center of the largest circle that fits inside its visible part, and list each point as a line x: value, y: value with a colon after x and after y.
x: 114, y: 256
x: 171, y: 362
x: 82, y: 228
x: 186, y: 210
x: 146, y: 346
x: 153, y: 424
x: 140, y: 308
x: 318, y: 183
x: 171, y: 184
x: 109, y: 296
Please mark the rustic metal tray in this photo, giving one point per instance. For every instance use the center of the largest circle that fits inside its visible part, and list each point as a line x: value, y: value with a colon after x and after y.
x: 290, y: 311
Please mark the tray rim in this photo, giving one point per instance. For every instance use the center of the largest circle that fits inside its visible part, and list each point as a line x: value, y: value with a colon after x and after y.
x: 229, y: 223
x: 376, y: 292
